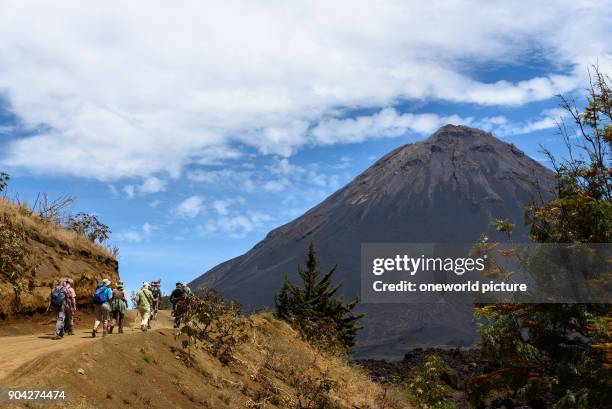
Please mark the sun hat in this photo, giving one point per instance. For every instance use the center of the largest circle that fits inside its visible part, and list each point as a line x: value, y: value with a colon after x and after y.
x: 106, y: 281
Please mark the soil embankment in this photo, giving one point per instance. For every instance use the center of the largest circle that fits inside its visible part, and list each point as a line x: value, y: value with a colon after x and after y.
x: 51, y: 253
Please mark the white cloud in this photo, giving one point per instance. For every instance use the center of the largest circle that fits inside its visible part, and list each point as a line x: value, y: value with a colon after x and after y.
x: 221, y: 206
x: 501, y: 126
x: 190, y: 207
x: 131, y: 236
x: 113, y: 190
x: 389, y: 123
x: 386, y: 123
x: 130, y: 191
x: 149, y: 185
x: 275, y: 186
x: 237, y: 226
x: 148, y: 229
x: 131, y: 90
x: 136, y: 236
x: 152, y: 185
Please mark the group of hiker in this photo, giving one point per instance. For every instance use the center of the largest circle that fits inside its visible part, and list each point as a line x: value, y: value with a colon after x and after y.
x: 111, y: 304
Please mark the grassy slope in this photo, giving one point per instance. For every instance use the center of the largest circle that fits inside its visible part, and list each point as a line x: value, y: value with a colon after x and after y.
x: 148, y: 370
x: 53, y: 252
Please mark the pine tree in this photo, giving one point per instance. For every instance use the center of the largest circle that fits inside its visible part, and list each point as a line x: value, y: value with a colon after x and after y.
x: 314, y: 309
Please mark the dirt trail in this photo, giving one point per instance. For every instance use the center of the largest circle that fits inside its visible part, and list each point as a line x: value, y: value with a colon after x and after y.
x: 19, y: 350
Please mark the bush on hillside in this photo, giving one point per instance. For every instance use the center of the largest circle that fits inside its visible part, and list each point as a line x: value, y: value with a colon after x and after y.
x: 322, y: 318
x: 89, y: 226
x: 313, y: 392
x: 212, y: 322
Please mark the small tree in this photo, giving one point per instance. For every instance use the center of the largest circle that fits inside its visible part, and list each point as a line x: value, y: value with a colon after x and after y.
x: 562, y: 351
x: 89, y: 226
x: 212, y: 322
x: 315, y: 310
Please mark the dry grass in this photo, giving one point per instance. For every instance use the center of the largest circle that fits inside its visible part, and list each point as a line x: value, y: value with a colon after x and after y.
x: 20, y: 215
x: 276, y: 348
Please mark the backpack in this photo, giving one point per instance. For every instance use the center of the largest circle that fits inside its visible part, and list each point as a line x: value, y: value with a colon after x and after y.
x: 118, y: 305
x: 100, y: 296
x: 57, y: 297
x: 143, y: 295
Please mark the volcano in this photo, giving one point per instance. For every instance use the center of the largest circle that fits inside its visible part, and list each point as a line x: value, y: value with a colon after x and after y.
x: 445, y: 189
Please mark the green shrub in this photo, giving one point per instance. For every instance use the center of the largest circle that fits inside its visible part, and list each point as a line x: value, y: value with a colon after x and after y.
x: 425, y: 386
x: 312, y: 392
x: 211, y: 321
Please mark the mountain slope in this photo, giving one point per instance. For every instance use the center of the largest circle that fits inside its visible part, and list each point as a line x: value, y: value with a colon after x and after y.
x: 447, y: 188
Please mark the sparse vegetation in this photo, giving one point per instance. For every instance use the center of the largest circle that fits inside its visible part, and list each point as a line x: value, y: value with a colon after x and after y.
x: 312, y: 392
x: 89, y: 226
x: 322, y: 318
x: 13, y: 252
x: 213, y: 322
x: 52, y: 210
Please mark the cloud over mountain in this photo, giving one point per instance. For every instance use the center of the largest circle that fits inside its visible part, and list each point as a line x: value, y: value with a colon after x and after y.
x: 141, y: 88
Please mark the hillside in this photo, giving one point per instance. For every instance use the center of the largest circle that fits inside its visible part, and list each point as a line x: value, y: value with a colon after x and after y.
x: 273, y: 369
x: 51, y: 253
x: 447, y: 188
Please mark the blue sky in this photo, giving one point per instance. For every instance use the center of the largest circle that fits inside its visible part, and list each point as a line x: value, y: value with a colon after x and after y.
x: 193, y: 131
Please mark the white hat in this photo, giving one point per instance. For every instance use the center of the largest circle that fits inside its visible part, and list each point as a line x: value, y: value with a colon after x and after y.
x: 145, y: 284
x: 106, y: 281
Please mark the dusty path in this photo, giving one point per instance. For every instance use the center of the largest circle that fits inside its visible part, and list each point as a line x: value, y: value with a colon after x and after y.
x: 19, y: 350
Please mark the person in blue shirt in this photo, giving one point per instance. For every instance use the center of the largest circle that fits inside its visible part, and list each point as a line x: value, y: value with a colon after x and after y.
x: 102, y: 306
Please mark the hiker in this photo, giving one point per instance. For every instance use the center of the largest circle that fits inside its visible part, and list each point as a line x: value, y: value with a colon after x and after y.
x: 119, y: 306
x: 144, y: 300
x: 175, y: 298
x: 101, y: 299
x: 156, y: 291
x: 188, y: 292
x: 58, y: 301
x: 72, y: 307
